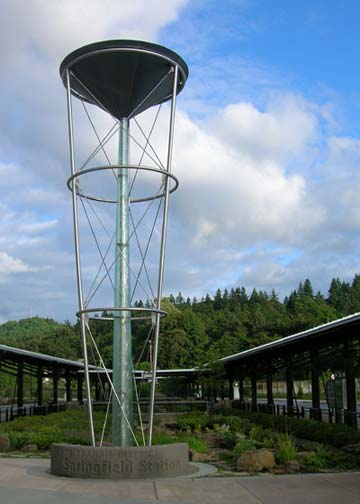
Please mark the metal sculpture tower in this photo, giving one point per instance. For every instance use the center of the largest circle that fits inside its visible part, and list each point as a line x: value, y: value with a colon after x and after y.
x: 123, y: 79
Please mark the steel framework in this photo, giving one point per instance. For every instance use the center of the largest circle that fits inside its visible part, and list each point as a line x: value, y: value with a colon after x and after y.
x: 122, y: 79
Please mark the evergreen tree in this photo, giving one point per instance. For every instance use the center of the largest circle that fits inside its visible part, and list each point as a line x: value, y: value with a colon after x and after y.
x: 179, y: 299
x: 355, y: 294
x: 218, y: 300
x: 307, y: 289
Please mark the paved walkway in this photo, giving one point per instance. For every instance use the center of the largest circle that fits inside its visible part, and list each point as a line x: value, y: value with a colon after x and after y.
x: 26, y: 481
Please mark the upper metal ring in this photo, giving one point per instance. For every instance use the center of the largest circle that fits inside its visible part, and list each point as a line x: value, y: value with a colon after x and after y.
x: 116, y: 167
x: 152, y: 311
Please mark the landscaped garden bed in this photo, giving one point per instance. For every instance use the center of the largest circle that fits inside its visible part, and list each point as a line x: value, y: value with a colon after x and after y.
x: 254, y: 442
x: 234, y: 441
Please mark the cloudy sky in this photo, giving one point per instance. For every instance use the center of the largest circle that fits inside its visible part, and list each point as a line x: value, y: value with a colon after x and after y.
x: 267, y: 143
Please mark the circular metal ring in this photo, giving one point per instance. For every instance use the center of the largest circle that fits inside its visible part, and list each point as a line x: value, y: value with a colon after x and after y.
x: 152, y: 311
x: 163, y: 173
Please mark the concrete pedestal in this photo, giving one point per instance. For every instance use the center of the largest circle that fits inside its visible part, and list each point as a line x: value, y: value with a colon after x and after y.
x: 120, y: 463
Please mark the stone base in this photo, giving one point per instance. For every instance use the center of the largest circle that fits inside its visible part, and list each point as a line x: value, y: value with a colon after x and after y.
x: 77, y: 461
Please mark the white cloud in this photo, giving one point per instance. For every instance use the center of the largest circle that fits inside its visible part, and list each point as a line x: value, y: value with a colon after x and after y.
x: 38, y: 227
x: 281, y: 131
x: 48, y: 29
x: 234, y: 191
x: 10, y: 265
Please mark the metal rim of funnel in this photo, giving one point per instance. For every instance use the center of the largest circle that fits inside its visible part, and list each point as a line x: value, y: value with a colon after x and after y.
x: 152, y: 311
x: 116, y: 167
x: 124, y: 46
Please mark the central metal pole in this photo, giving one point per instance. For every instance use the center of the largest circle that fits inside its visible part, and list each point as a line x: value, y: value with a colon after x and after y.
x: 122, y: 414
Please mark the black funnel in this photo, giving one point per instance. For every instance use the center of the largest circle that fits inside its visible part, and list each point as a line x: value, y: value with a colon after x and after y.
x: 124, y: 77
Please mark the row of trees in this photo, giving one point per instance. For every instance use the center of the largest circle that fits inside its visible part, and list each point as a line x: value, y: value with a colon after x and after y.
x: 198, y: 331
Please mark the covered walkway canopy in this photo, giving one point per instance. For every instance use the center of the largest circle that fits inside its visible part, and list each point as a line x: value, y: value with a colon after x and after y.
x: 19, y: 362
x: 334, y: 347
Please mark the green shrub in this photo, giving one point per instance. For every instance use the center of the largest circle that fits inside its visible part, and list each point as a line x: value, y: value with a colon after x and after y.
x: 239, y: 425
x: 257, y: 433
x: 71, y: 426
x: 201, y: 422
x: 194, y: 423
x: 268, y: 439
x: 229, y: 439
x: 326, y: 458
x: 335, y: 434
x: 43, y: 440
x: 244, y: 445
x: 158, y: 438
x: 313, y: 462
x: 287, y: 448
x: 199, y: 445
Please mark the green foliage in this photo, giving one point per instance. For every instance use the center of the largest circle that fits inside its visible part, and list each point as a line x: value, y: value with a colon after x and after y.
x: 68, y: 427
x: 268, y: 439
x: 193, y: 423
x: 286, y: 447
x: 229, y: 439
x: 257, y: 433
x: 228, y: 436
x: 42, y: 335
x: 160, y: 438
x: 224, y: 424
x: 244, y: 445
x: 72, y: 427
x: 199, y: 445
x: 323, y: 457
x: 235, y: 424
x: 335, y: 434
x: 42, y: 439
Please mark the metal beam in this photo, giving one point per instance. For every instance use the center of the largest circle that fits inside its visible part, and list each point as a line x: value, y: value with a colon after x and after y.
x: 79, y: 389
x: 55, y: 386
x: 289, y: 390
x: 315, y: 384
x: 40, y: 386
x: 20, y: 385
x: 269, y: 388
x: 351, y: 406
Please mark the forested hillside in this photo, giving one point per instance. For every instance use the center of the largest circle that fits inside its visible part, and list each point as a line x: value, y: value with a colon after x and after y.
x: 42, y: 335
x: 198, y: 331
x: 232, y: 321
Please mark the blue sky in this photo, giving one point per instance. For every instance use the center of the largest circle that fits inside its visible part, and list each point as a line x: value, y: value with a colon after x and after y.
x: 267, y: 144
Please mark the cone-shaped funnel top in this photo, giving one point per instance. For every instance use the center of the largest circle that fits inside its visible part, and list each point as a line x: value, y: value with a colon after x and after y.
x: 124, y: 77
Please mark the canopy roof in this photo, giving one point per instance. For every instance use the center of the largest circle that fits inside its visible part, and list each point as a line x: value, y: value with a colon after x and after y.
x: 124, y: 77
x: 302, y: 340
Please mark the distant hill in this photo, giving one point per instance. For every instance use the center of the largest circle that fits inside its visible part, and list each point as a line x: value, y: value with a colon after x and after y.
x: 42, y: 335
x: 18, y: 330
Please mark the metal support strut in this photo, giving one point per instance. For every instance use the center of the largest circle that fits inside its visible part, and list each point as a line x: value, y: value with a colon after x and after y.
x: 77, y: 258
x: 162, y: 257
